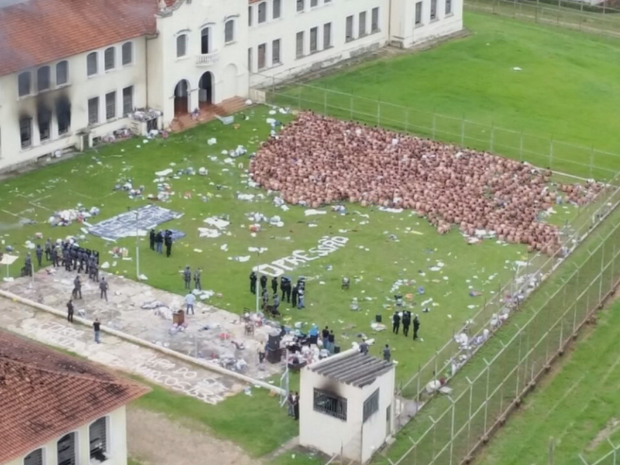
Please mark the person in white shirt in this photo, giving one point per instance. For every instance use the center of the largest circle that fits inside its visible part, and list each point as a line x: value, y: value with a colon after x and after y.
x: 190, y: 300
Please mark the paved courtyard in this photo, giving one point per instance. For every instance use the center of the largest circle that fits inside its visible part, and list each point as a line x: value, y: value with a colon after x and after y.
x: 211, y: 334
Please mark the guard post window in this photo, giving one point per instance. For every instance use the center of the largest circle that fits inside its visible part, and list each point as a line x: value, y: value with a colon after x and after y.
x: 330, y: 404
x: 371, y: 405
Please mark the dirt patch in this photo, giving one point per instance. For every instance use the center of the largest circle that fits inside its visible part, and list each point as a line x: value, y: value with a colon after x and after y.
x: 154, y: 439
x: 610, y: 428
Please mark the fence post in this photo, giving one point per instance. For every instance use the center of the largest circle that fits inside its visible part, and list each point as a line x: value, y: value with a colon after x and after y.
x: 379, y: 112
x: 407, y: 121
x: 486, y: 397
x: 299, y: 99
x: 471, y: 400
x: 325, y: 102
x: 452, y: 430
x: 417, y: 397
x: 521, y: 147
x: 463, y: 132
x: 492, y: 136
x: 435, y: 370
x: 433, y: 134
x: 591, y: 161
x: 600, y: 286
x: 613, y: 259
x: 351, y: 107
x: 519, y: 362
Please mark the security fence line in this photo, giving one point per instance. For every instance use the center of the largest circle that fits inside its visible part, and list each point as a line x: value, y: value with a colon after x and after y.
x: 611, y: 458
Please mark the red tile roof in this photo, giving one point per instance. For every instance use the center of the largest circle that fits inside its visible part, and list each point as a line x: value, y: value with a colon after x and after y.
x: 45, y: 394
x: 39, y: 31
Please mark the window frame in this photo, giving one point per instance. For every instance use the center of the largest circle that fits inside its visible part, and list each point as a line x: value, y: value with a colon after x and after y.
x: 276, y: 9
x: 339, y: 408
x: 314, y: 3
x: 433, y: 11
x: 30, y: 130
x: 361, y: 24
x: 125, y: 112
x: 95, y: 63
x: 375, y: 20
x: 110, y: 51
x: 76, y: 445
x: 314, y: 30
x: 299, y: 40
x: 448, y: 7
x: 262, y: 47
x: 106, y: 430
x: 19, y: 84
x: 47, y: 69
x: 181, y: 37
x: 276, y: 58
x: 43, y: 452
x: 301, y: 6
x: 349, y: 35
x: 262, y: 12
x: 232, y: 32
x: 127, y: 46
x: 112, y: 105
x: 96, y: 121
x: 419, y: 19
x: 327, y: 43
x: 371, y: 406
x: 66, y: 81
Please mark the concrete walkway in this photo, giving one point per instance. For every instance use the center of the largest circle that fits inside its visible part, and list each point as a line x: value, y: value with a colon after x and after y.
x: 116, y: 353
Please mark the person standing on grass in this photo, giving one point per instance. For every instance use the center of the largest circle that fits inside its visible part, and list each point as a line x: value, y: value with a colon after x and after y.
x: 70, y: 311
x: 48, y: 250
x: 39, y: 253
x: 253, y: 279
x: 187, y: 277
x: 168, y: 242
x: 276, y: 304
x: 406, y: 322
x: 97, y: 329
x: 197, y: 284
x: 274, y: 285
x: 159, y: 242
x: 300, y: 298
x: 291, y: 404
x: 325, y: 337
x: 263, y: 283
x: 416, y: 327
x: 190, y: 300
x: 387, y: 353
x: 294, y: 298
x: 152, y: 239
x: 364, y: 347
x: 103, y: 287
x: 296, y: 406
x: 395, y: 322
x: 54, y: 256
x: 331, y: 341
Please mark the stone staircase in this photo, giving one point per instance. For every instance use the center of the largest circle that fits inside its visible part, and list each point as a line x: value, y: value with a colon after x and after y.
x: 208, y: 113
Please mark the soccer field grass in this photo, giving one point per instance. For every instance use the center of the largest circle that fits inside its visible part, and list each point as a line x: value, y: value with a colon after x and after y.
x: 567, y: 89
x: 577, y: 409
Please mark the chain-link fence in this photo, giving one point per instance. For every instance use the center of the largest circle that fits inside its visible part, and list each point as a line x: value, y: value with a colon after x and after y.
x: 575, y: 160
x: 611, y: 458
x: 595, y: 19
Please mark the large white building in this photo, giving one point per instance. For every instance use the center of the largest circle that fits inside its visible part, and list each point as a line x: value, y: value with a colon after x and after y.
x: 57, y: 410
x: 72, y: 71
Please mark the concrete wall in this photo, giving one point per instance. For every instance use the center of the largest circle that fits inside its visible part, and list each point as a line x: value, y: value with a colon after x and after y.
x: 353, y: 438
x: 117, y: 443
x: 77, y: 91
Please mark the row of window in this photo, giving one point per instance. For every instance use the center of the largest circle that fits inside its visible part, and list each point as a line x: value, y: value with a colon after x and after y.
x: 262, y: 55
x: 276, y: 9
x: 67, y: 448
x: 362, y: 29
x: 301, y: 4
x: 433, y: 13
x: 206, y: 39
x: 110, y: 101
x: 336, y: 406
x: 109, y: 59
x: 43, y: 78
x: 300, y: 41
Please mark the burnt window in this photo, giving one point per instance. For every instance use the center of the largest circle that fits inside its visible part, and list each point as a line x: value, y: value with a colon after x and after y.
x: 93, y: 110
x: 23, y: 84
x: 91, y: 64
x: 371, y: 405
x: 330, y: 404
x: 43, y: 78
x: 127, y: 100
x: 127, y: 52
x: 66, y: 450
x: 98, y: 432
x: 44, y: 120
x: 34, y: 458
x: 25, y: 131
x: 63, y: 114
x: 62, y: 73
x: 110, y: 105
x: 109, y: 58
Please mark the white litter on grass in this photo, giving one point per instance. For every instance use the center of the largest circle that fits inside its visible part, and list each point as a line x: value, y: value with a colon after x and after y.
x: 391, y: 210
x: 258, y: 249
x: 516, y: 68
x: 224, y: 247
x: 242, y: 259
x: 105, y: 266
x: 210, y: 233
x: 435, y: 268
x: 270, y: 121
x: 312, y: 212
x: 471, y: 306
x: 217, y: 222
x: 248, y: 197
x: 163, y: 173
x: 212, y: 141
x: 520, y: 263
x: 143, y: 278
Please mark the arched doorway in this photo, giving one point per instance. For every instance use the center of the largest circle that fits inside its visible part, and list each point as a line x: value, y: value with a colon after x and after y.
x: 181, y: 98
x: 205, y: 95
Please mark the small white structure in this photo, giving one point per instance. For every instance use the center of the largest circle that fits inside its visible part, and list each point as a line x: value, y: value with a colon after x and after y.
x: 346, y: 405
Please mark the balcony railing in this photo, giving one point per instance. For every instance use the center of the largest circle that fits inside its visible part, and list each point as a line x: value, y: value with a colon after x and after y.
x: 207, y: 59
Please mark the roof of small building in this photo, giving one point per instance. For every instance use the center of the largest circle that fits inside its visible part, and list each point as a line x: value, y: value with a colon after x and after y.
x: 45, y: 394
x: 352, y: 367
x: 35, y: 32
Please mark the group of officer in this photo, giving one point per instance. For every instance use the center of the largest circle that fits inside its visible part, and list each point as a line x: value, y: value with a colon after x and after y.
x: 187, y: 278
x: 67, y: 255
x: 160, y: 238
x: 293, y: 295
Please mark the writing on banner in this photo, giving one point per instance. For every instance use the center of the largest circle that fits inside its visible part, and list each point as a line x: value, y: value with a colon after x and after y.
x: 327, y: 245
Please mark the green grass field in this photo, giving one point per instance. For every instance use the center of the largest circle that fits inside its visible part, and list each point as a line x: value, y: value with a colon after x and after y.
x: 568, y: 88
x: 567, y: 92
x: 576, y: 410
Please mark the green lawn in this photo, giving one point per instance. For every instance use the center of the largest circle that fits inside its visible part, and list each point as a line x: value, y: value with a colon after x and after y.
x: 567, y: 91
x: 578, y: 408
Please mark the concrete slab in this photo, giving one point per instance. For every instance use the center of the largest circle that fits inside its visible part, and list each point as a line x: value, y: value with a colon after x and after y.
x: 123, y: 312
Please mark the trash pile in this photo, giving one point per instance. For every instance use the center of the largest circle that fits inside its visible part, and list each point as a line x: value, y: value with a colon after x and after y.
x: 66, y: 217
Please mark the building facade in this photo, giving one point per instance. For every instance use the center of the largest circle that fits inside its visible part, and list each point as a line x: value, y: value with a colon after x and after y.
x: 87, y: 67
